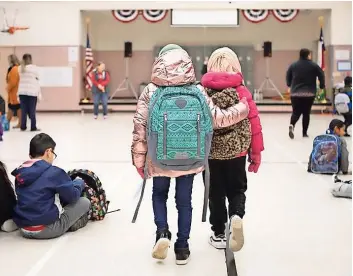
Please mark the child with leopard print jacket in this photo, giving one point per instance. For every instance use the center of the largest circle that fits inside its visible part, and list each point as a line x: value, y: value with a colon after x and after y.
x: 230, y: 146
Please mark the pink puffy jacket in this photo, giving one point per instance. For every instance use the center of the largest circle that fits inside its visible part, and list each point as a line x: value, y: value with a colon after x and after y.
x: 220, y: 81
x: 170, y: 69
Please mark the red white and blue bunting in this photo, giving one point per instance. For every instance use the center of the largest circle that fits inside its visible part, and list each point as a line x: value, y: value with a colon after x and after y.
x: 255, y: 16
x: 285, y: 15
x: 127, y: 16
x: 154, y: 16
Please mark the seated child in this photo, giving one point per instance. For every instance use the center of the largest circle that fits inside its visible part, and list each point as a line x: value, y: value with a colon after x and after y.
x: 325, y: 152
x: 343, y: 103
x: 7, y: 201
x: 49, y: 203
x: 342, y: 188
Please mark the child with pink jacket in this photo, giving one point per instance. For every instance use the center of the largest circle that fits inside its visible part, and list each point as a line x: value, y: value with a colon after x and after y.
x: 225, y: 85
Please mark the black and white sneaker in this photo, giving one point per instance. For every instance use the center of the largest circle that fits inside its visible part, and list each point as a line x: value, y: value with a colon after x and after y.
x: 182, y: 256
x: 218, y: 242
x: 335, y: 178
x: 291, y: 131
x: 160, y: 249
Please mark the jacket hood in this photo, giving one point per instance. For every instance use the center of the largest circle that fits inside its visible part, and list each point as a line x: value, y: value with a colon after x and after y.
x: 30, y: 171
x: 172, y: 68
x: 221, y: 80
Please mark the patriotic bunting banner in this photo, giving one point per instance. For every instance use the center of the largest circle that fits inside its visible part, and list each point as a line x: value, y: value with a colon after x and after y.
x: 256, y: 16
x: 125, y: 16
x: 285, y: 15
x: 154, y: 16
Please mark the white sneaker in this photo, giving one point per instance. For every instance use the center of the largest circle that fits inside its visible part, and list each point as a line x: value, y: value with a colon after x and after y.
x: 9, y: 226
x: 160, y: 249
x: 95, y: 117
x: 218, y: 242
x: 105, y: 117
x: 236, y: 239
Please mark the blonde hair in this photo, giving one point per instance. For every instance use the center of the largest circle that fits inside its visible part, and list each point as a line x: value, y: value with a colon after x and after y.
x: 13, y: 60
x: 26, y: 60
x: 224, y: 60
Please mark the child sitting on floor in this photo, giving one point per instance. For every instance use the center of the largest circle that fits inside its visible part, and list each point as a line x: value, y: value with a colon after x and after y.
x: 49, y: 203
x: 7, y: 201
x: 330, y: 153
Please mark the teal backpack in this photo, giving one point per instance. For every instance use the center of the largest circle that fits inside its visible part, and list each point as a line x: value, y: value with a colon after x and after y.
x: 179, y: 128
x: 179, y: 133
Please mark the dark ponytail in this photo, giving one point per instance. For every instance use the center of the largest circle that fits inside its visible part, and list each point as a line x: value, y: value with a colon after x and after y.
x: 333, y: 124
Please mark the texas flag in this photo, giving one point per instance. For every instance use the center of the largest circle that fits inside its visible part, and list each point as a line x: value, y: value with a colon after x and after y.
x: 321, y: 51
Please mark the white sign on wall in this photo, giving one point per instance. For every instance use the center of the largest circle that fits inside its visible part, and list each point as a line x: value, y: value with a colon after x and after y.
x: 55, y: 76
x: 203, y: 18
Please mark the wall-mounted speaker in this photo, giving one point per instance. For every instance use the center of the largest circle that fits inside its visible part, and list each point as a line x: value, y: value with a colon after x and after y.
x: 128, y: 49
x: 267, y: 49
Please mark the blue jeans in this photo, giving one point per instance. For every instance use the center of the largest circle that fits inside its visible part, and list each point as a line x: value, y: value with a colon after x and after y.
x: 183, y: 204
x: 100, y: 97
x: 28, y: 107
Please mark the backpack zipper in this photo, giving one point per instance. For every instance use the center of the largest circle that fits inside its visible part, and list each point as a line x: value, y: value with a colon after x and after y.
x: 165, y: 135
x: 198, y: 136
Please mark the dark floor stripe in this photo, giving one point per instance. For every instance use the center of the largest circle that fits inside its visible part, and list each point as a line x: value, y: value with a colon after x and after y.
x: 229, y: 255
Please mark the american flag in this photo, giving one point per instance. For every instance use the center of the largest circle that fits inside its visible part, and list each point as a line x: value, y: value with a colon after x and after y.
x: 321, y: 51
x: 89, y: 64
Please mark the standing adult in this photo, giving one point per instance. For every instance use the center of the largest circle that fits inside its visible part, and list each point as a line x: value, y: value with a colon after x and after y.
x: 28, y: 91
x: 12, y: 81
x: 301, y: 78
x: 100, y: 90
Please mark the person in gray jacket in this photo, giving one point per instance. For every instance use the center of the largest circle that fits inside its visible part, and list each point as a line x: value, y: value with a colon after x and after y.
x: 337, y: 128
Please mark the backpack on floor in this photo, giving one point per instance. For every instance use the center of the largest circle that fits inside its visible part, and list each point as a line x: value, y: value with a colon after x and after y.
x: 325, y: 156
x: 94, y: 192
x: 179, y: 128
x: 4, y: 123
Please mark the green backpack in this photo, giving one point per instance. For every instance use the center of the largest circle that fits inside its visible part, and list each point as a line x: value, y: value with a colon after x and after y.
x: 179, y: 128
x: 179, y: 133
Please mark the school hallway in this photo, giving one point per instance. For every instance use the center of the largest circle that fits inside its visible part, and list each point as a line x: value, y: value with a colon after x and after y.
x: 293, y: 225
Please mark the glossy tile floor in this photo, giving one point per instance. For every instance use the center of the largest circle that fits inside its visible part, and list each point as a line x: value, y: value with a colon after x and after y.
x: 293, y: 225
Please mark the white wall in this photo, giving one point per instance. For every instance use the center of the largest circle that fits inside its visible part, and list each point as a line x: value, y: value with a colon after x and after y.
x: 51, y: 24
x: 341, y: 24
x: 108, y: 34
x: 59, y: 23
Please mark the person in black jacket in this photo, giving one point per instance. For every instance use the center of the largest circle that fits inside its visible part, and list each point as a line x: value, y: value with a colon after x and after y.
x: 301, y: 78
x: 204, y: 67
x: 7, y: 201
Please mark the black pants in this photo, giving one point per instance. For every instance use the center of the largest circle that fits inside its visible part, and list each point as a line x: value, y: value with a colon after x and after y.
x: 301, y: 106
x: 227, y: 179
x: 28, y: 106
x: 347, y: 120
